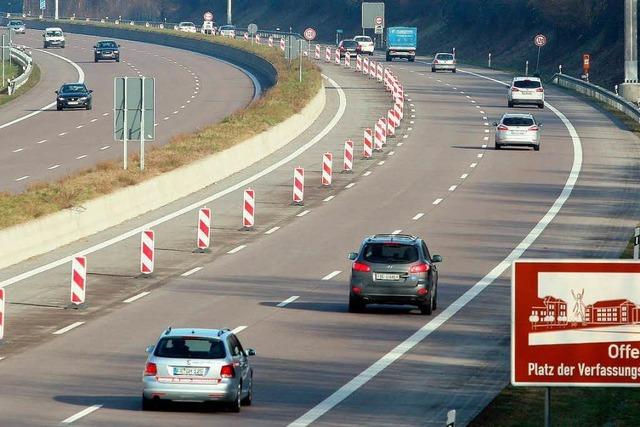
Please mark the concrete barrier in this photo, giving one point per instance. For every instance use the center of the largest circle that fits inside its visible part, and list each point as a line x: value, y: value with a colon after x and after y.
x: 53, y: 231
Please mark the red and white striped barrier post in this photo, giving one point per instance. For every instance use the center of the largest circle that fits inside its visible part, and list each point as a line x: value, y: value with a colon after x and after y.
x: 283, y: 44
x: 270, y: 41
x: 365, y: 66
x: 257, y: 38
x: 78, y: 280
x: 383, y: 129
x: 372, y: 69
x: 368, y: 144
x: 204, y: 229
x: 147, y: 252
x: 396, y: 115
x: 377, y: 137
x: 400, y: 105
x: 249, y: 208
x: 246, y: 36
x: 2, y: 316
x: 327, y: 54
x: 298, y: 186
x: 347, y: 60
x: 347, y: 166
x: 358, y: 63
x: 336, y: 57
x: 318, y: 51
x: 391, y: 126
x: 327, y: 169
x: 380, y: 73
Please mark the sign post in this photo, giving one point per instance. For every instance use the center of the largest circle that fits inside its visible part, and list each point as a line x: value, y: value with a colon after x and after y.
x: 309, y: 35
x: 586, y: 65
x: 540, y: 40
x: 252, y: 29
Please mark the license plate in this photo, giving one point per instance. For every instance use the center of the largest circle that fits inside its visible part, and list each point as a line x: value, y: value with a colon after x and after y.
x: 387, y: 276
x: 519, y: 132
x: 72, y: 102
x: 189, y: 371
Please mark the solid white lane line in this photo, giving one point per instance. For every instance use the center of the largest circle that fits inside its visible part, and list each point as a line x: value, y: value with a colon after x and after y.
x: 81, y: 414
x: 41, y: 142
x: 53, y: 167
x: 484, y: 145
x: 331, y: 275
x: 62, y: 133
x: 464, y: 176
x: 342, y: 106
x: 239, y: 329
x: 367, y: 173
x: 437, y: 201
x: 453, y: 188
x: 399, y: 144
x: 79, y: 126
x: 328, y: 199
x: 303, y: 213
x: 350, y: 185
x: 391, y: 153
x: 418, y: 216
x: 381, y: 162
x: 17, y: 150
x: 480, y: 155
x: 81, y: 157
x: 394, y: 232
x: 68, y: 328
x: 272, y: 230
x: 236, y: 250
x: 93, y: 120
x: 106, y: 147
x: 473, y: 165
x: 190, y: 272
x: 136, y: 297
x: 22, y: 178
x: 407, y: 345
x: 288, y: 301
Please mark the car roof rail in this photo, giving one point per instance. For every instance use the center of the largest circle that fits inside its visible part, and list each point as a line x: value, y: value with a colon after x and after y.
x: 223, y: 330
x: 406, y: 236
x: 167, y: 331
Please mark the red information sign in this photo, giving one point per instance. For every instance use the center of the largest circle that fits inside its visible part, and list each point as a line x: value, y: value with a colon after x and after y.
x: 586, y: 62
x: 575, y: 323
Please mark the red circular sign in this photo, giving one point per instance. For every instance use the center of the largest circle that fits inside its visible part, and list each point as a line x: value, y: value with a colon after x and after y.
x: 540, y: 40
x: 310, y: 34
x: 379, y: 20
x: 208, y: 16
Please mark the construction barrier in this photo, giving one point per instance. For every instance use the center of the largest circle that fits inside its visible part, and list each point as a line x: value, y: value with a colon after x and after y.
x: 347, y: 61
x: 258, y: 38
x: 249, y: 208
x: 283, y: 44
x: 365, y: 66
x: 327, y: 54
x: 372, y: 69
x: 380, y: 73
x: 347, y: 166
x: 368, y: 144
x: 78, y: 280
x: 298, y: 186
x: 377, y: 137
x: 204, y: 228
x: 318, y: 51
x: 336, y: 57
x: 246, y: 36
x: 391, y: 124
x: 270, y: 41
x: 327, y: 169
x: 358, y: 63
x: 147, y: 251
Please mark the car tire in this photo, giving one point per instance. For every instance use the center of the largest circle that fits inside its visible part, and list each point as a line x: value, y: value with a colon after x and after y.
x: 412, y: 59
x: 249, y: 398
x: 237, y: 402
x: 433, y: 70
x: 541, y: 105
x: 59, y: 107
x: 426, y: 308
x: 510, y: 104
x: 45, y: 46
x: 95, y: 59
x: 453, y: 71
x: 90, y: 106
x: 498, y: 146
x: 536, y: 147
x: 150, y: 404
x: 355, y: 305
x: 389, y: 59
x: 118, y: 59
x: 435, y: 297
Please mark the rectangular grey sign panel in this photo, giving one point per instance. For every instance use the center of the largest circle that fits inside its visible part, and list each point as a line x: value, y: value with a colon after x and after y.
x: 369, y: 13
x: 134, y: 107
x: 292, y: 48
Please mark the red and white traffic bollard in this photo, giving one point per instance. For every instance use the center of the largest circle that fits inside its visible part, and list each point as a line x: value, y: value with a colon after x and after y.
x: 372, y: 69
x: 147, y: 251
x: 270, y: 41
x: 204, y: 229
x: 347, y: 60
x: 298, y: 186
x: 327, y: 54
x: 391, y: 127
x: 358, y: 63
x: 318, y: 51
x: 327, y: 169
x: 246, y: 36
x: 258, y: 38
x: 377, y: 137
x: 347, y: 166
x: 2, y: 316
x: 283, y: 44
x: 368, y: 144
x: 336, y: 57
x: 380, y: 73
x: 365, y: 66
x: 78, y: 280
x: 383, y: 129
x: 249, y: 208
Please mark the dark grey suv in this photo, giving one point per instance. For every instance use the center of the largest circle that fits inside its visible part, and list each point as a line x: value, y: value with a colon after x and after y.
x: 394, y: 269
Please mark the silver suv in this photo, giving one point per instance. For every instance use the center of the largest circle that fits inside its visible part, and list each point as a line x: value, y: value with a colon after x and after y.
x: 202, y: 365
x: 394, y: 269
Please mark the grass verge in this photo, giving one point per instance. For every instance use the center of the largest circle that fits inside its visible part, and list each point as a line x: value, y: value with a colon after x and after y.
x: 286, y: 98
x: 13, y: 72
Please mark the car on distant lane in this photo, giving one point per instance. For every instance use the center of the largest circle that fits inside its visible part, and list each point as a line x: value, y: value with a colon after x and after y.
x: 201, y: 365
x: 394, y: 269
x: 74, y: 95
x: 366, y: 44
x: 227, y: 31
x: 526, y: 90
x: 518, y: 130
x: 106, y: 49
x: 53, y: 36
x: 349, y: 47
x: 17, y: 26
x: 443, y: 61
x: 187, y: 27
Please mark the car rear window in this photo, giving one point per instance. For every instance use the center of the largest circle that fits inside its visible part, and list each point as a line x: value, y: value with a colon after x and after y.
x: 107, y: 44
x: 517, y: 121
x: 349, y: 43
x: 527, y: 84
x: 390, y: 253
x: 190, y: 348
x: 365, y: 39
x: 445, y: 57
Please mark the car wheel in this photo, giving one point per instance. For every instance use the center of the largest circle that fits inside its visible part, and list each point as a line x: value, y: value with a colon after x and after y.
x: 541, y: 105
x: 89, y: 106
x: 498, y: 146
x: 355, y: 305
x: 118, y: 59
x: 427, y: 307
x: 59, y: 107
x: 150, y: 404
x: 249, y: 398
x: 433, y: 70
x: 95, y: 59
x: 435, y: 297
x: 453, y: 71
x: 389, y: 59
x: 237, y: 403
x: 536, y: 147
x: 510, y: 104
x: 45, y: 46
x: 412, y: 59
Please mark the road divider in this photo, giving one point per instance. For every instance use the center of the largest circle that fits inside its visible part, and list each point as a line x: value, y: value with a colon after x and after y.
x: 327, y: 169
x: 347, y: 165
x: 204, y: 229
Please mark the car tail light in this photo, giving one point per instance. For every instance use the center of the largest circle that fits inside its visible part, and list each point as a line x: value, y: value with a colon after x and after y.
x: 455, y: 62
x: 420, y: 268
x: 503, y: 128
x: 227, y: 371
x: 422, y: 291
x: 360, y: 266
x: 540, y: 89
x: 150, y: 369
x: 356, y: 290
x: 435, y: 61
x: 534, y: 129
x: 515, y: 89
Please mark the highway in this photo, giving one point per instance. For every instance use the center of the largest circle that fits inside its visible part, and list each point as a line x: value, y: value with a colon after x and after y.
x: 317, y: 363
x: 192, y: 91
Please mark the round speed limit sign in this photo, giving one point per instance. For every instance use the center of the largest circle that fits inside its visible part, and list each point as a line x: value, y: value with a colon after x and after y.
x: 540, y: 40
x: 310, y: 34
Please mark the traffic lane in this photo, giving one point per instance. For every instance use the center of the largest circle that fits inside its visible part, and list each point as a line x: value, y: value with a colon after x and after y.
x: 181, y: 91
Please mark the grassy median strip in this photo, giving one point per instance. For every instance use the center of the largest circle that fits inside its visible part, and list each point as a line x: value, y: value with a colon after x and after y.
x: 11, y: 73
x: 286, y: 98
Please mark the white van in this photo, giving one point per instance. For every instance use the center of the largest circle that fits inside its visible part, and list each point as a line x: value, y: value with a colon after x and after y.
x: 208, y: 27
x: 53, y: 36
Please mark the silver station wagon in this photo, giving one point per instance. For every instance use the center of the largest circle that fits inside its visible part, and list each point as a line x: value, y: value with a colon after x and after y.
x: 198, y: 365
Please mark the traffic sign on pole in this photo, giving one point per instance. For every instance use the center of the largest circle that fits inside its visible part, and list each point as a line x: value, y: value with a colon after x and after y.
x: 575, y: 323
x: 208, y: 16
x: 310, y: 34
x: 540, y: 40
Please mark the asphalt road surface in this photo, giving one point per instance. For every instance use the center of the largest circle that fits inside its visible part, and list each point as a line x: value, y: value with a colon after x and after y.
x: 191, y: 91
x: 477, y: 207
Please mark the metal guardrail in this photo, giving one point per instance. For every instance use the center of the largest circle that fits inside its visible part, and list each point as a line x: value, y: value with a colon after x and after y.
x: 599, y: 93
x: 22, y: 57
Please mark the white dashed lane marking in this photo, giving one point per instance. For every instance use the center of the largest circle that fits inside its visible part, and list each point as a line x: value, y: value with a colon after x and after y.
x: 237, y: 249
x: 288, y: 301
x: 22, y: 178
x: 303, y: 213
x: 395, y: 232
x: 192, y: 271
x: 453, y: 188
x: 418, y: 216
x: 437, y: 201
x: 331, y: 275
x: 68, y: 328
x: 136, y: 297
x: 272, y: 230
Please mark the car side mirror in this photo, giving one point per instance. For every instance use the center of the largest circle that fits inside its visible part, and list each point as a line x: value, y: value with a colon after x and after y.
x: 540, y: 124
x: 436, y: 258
x: 118, y: 45
x: 95, y: 46
x: 90, y: 90
x: 352, y: 256
x: 250, y: 352
x: 149, y: 349
x: 494, y: 124
x: 55, y: 91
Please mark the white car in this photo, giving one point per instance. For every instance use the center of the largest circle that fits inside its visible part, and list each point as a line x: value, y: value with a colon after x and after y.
x: 518, y: 130
x: 526, y: 90
x: 443, y: 61
x: 53, y: 36
x: 227, y: 31
x: 366, y: 44
x: 208, y: 27
x: 187, y: 27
